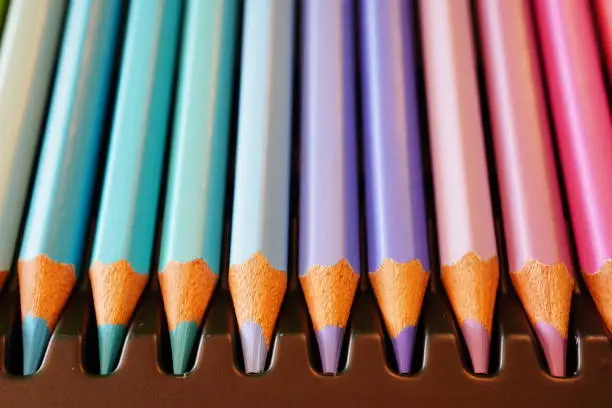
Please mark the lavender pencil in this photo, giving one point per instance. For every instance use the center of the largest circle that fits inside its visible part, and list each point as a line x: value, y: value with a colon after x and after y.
x: 396, y: 224
x: 329, y: 245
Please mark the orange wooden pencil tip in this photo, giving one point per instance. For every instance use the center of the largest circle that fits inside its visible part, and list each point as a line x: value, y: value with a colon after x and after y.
x: 546, y: 294
x: 116, y: 290
x: 257, y: 291
x: 44, y: 287
x: 186, y: 288
x: 471, y: 286
x: 600, y: 286
x: 399, y: 289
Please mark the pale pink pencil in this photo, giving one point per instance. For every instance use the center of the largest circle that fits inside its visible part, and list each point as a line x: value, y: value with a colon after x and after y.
x: 463, y: 205
x: 536, y: 237
x: 584, y: 135
x: 603, y: 11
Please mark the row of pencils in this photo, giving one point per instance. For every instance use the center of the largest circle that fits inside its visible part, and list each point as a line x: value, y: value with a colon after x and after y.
x: 60, y: 102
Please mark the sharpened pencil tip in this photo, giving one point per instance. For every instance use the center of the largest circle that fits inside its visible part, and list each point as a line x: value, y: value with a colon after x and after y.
x: 554, y: 347
x: 182, y: 341
x: 35, y: 334
x: 253, y: 348
x: 478, y: 342
x: 329, y: 340
x: 110, y: 338
x: 403, y: 346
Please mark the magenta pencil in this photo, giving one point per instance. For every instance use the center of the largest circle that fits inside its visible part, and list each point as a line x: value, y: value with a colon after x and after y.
x: 468, y: 250
x: 584, y: 135
x: 536, y: 238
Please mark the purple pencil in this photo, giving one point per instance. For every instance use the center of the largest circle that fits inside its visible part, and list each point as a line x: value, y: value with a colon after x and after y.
x: 398, y: 257
x: 329, y: 240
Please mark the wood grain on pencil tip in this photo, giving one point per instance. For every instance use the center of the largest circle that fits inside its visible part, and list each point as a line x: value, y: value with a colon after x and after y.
x: 45, y: 286
x: 257, y: 291
x: 329, y: 292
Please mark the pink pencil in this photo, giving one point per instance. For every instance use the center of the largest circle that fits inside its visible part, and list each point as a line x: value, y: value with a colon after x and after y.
x: 584, y: 136
x: 463, y: 205
x: 603, y: 11
x: 536, y: 238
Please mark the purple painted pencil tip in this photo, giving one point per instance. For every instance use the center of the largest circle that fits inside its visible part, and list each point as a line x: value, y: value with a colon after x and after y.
x: 478, y: 342
x: 554, y: 347
x: 403, y: 346
x: 253, y: 348
x: 330, y: 343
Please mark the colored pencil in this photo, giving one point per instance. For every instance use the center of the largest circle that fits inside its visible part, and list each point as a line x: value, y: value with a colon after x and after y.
x: 56, y: 224
x: 536, y: 238
x: 193, y: 220
x: 27, y: 56
x: 466, y: 232
x: 329, y: 231
x: 603, y: 12
x: 584, y: 136
x: 398, y: 253
x: 260, y: 222
x: 128, y: 210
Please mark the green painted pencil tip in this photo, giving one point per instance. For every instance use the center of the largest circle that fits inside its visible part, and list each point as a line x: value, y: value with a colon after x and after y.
x: 110, y: 339
x: 182, y: 341
x: 35, y: 335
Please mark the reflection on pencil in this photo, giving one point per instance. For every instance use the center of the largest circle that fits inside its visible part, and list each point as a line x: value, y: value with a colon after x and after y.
x: 27, y: 56
x: 536, y: 238
x: 329, y: 232
x: 584, y: 136
x: 128, y: 210
x: 260, y: 222
x: 193, y: 218
x: 468, y: 250
x: 51, y: 252
x: 397, y: 231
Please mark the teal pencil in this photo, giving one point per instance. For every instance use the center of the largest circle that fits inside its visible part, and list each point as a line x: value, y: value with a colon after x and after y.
x: 56, y: 223
x: 190, y: 255
x: 126, y: 222
x: 260, y: 223
x: 27, y: 55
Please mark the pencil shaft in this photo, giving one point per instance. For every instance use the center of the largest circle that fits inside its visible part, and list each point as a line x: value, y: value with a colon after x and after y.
x: 260, y: 221
x: 27, y: 56
x: 583, y: 124
x: 603, y: 12
x: 3, y: 10
x: 395, y: 204
x: 463, y: 204
x: 128, y: 210
x: 328, y: 192
x: 57, y: 218
x: 533, y: 219
x: 193, y: 218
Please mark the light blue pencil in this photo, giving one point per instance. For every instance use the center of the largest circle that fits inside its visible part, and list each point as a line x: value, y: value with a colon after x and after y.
x: 193, y: 220
x: 27, y: 54
x: 128, y: 210
x: 57, y: 220
x: 260, y: 224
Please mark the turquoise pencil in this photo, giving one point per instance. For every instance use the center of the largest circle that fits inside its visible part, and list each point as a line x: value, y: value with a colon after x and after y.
x: 260, y: 223
x: 55, y: 230
x: 128, y: 209
x: 190, y: 255
x: 27, y: 55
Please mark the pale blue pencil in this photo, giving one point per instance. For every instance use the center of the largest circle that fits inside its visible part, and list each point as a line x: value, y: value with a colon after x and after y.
x: 57, y: 220
x: 260, y: 223
x: 190, y: 256
x: 128, y: 210
x: 27, y: 55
